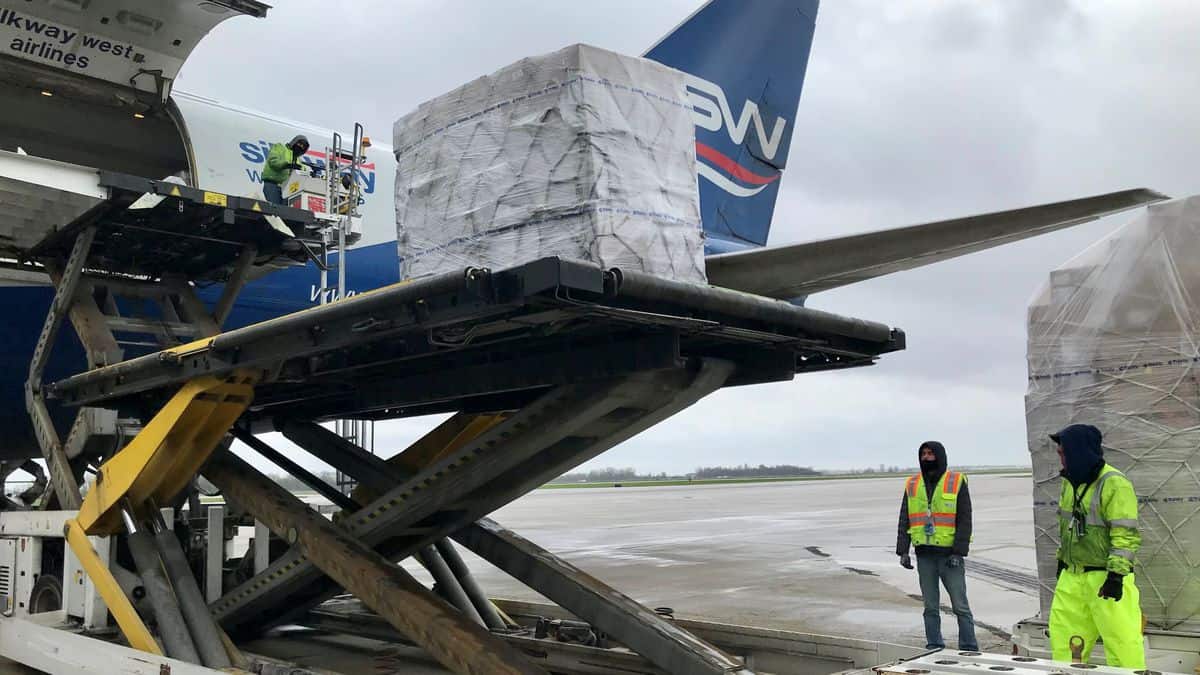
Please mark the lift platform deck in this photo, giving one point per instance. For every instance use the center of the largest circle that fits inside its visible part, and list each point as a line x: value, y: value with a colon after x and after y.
x: 484, y: 340
x: 146, y: 227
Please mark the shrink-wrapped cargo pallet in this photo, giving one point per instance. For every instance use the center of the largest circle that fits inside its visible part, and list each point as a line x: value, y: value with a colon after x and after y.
x: 582, y: 153
x: 1114, y: 341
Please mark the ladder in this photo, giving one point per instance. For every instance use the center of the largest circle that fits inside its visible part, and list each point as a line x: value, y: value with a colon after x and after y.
x: 343, y: 198
x: 360, y: 433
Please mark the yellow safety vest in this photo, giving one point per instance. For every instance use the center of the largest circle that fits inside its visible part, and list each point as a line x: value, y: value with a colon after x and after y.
x: 933, y: 524
x: 1106, y: 534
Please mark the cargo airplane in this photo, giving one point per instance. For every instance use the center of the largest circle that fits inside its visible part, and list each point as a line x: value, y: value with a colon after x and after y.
x: 90, y: 83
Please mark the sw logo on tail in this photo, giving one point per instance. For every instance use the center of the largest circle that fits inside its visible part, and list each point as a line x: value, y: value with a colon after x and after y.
x: 745, y: 64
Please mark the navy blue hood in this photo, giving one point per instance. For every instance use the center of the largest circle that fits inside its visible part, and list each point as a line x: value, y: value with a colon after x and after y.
x: 933, y: 470
x: 1082, y: 452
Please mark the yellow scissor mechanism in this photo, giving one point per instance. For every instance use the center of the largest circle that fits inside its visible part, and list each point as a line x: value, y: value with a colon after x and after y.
x: 159, y: 462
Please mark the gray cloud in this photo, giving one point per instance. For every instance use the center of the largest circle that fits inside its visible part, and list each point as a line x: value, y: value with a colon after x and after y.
x: 911, y: 112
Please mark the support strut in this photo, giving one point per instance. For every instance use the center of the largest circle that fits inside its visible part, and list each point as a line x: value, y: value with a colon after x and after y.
x: 661, y: 642
x: 562, y: 429
x: 376, y: 476
x: 159, y: 462
x: 62, y: 478
x: 456, y: 642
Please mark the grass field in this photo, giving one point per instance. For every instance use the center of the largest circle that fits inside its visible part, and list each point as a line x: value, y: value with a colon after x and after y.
x: 732, y: 481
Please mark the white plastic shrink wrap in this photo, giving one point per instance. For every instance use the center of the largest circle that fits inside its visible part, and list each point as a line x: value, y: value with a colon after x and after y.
x: 1113, y: 341
x: 582, y: 153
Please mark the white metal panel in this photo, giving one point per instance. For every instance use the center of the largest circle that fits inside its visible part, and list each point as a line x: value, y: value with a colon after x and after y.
x: 39, y: 643
x: 80, y: 598
x: 35, y: 523
x: 29, y: 565
x: 262, y: 547
x: 75, y: 583
x: 230, y: 146
x: 952, y: 662
x: 124, y: 43
x: 95, y: 612
x: 38, y: 195
x: 8, y: 574
x: 214, y: 554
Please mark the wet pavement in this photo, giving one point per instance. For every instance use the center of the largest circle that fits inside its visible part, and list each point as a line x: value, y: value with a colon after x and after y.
x: 813, y: 556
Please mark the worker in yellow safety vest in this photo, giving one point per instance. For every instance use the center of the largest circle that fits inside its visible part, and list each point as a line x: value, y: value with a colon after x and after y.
x: 281, y: 161
x: 1095, y: 595
x: 935, y: 517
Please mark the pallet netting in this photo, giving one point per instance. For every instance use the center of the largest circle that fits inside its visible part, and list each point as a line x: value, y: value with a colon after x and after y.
x: 582, y: 153
x: 1114, y: 341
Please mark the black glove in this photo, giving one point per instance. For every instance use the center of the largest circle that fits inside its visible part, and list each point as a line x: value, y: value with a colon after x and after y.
x: 1112, y: 588
x: 295, y: 167
x: 1061, y: 566
x: 954, y: 561
x: 906, y: 562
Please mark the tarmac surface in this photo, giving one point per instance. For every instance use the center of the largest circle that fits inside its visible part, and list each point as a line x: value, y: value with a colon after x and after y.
x: 811, y: 556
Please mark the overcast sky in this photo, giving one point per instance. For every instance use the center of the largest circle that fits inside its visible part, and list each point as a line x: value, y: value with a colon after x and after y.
x: 911, y: 112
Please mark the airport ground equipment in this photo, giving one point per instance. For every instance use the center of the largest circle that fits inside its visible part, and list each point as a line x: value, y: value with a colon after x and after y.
x: 124, y: 272
x: 545, y: 365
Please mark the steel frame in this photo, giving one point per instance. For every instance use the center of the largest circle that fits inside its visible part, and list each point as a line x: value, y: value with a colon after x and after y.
x: 769, y: 650
x: 458, y: 643
x: 646, y: 632
x: 437, y: 343
x: 164, y: 456
x: 564, y: 359
x: 566, y: 427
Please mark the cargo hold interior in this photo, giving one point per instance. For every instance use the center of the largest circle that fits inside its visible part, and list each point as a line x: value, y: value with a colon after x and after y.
x: 103, y: 127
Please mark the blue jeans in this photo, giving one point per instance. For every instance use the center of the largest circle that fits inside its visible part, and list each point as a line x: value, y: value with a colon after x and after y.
x: 932, y: 568
x: 273, y: 192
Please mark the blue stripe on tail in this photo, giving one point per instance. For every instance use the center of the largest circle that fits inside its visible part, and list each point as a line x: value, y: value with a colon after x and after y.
x: 746, y: 59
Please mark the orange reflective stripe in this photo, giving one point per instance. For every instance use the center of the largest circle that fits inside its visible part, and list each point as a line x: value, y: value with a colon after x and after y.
x: 911, y: 486
x: 923, y: 516
x: 950, y: 484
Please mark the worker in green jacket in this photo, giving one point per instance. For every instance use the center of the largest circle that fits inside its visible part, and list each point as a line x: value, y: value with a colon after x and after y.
x: 281, y: 161
x: 1098, y: 529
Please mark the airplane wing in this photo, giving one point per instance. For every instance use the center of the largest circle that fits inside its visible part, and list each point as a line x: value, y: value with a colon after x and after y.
x: 797, y: 270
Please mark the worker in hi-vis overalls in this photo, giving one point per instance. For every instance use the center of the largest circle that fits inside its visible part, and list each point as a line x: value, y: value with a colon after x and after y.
x: 1098, y: 528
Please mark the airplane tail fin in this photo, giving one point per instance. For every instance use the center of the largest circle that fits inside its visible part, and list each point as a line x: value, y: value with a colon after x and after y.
x: 746, y: 62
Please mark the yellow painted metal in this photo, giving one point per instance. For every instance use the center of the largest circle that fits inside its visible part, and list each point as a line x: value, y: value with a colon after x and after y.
x: 153, y: 468
x: 475, y: 428
x: 444, y: 439
x: 168, y: 451
x: 122, y: 610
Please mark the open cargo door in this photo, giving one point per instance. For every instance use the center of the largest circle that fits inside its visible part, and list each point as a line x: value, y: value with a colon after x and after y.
x: 89, y: 81
x: 109, y: 47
